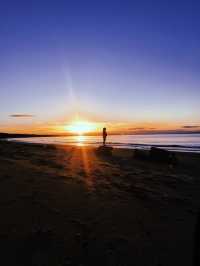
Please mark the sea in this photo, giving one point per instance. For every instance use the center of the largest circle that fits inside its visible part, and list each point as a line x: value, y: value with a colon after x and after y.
x: 171, y: 142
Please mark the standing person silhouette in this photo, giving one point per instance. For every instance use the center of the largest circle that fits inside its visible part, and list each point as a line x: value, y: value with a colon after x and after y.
x: 104, y: 136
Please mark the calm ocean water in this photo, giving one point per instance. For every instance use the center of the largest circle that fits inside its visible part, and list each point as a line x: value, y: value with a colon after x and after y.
x: 175, y: 142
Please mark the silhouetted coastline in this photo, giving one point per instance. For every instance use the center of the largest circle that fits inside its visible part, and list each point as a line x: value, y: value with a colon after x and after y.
x: 15, y: 136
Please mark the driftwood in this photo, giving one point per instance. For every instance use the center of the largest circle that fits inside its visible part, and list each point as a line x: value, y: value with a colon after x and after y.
x: 141, y: 154
x: 156, y: 155
x: 161, y: 155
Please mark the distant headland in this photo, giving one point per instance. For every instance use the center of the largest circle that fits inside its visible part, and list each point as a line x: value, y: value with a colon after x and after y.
x: 12, y: 135
x: 17, y: 135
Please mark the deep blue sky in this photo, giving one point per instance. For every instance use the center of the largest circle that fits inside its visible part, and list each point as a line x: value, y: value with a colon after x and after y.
x: 134, y: 61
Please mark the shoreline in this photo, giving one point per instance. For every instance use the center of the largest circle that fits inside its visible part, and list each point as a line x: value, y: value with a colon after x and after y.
x: 116, y: 146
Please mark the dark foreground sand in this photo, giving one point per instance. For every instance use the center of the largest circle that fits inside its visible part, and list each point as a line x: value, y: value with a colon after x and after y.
x: 68, y: 206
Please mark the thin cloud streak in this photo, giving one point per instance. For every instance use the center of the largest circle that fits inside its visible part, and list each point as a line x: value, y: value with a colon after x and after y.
x: 188, y: 127
x: 21, y: 115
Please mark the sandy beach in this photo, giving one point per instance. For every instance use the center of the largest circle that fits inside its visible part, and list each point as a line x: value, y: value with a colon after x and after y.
x: 65, y: 205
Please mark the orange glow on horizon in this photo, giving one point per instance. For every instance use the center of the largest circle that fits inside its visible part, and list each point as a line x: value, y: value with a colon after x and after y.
x: 82, y: 127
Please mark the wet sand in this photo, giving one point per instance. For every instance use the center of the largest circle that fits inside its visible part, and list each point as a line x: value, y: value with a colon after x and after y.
x: 64, y: 205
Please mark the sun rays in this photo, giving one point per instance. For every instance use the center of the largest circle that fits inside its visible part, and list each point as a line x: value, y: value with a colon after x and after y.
x: 81, y: 163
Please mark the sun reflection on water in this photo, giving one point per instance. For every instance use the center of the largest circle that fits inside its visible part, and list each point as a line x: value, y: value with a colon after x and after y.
x: 80, y: 140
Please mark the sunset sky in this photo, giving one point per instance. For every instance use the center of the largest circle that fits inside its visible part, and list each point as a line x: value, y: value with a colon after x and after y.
x: 127, y: 65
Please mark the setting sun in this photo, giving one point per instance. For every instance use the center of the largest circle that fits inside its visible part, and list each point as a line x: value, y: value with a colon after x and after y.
x: 81, y: 127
